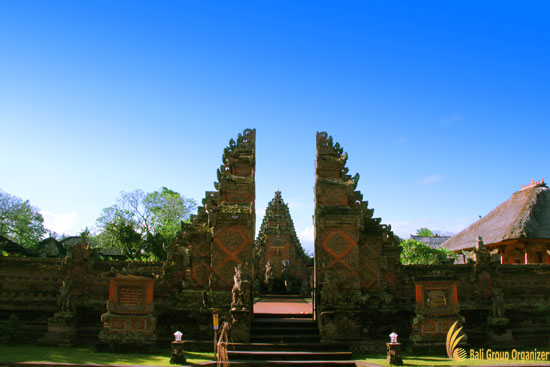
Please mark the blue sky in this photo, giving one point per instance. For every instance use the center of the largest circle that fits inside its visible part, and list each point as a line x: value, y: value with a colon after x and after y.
x: 442, y: 106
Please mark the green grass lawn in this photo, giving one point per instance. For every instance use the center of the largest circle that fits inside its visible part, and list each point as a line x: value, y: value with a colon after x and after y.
x: 31, y: 353
x: 439, y: 361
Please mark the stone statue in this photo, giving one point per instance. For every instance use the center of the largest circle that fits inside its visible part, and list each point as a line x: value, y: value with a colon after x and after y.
x: 204, y: 299
x: 212, y: 280
x: 237, y: 300
x: 483, y: 257
x: 186, y: 257
x: 245, y: 294
x: 268, y: 280
x: 284, y: 272
x: 498, y: 307
x: 65, y: 299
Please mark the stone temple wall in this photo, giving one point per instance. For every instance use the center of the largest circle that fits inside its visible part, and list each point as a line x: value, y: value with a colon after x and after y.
x: 362, y: 292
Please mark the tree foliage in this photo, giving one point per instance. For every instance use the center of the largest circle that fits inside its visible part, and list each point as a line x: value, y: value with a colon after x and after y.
x: 19, y: 221
x: 424, y: 232
x: 144, y: 224
x: 419, y: 253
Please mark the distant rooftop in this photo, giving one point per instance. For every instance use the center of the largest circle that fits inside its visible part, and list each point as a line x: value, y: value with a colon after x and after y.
x: 432, y: 241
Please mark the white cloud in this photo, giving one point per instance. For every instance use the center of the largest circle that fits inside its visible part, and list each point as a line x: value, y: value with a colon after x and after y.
x: 59, y: 223
x: 430, y: 180
x: 307, y: 238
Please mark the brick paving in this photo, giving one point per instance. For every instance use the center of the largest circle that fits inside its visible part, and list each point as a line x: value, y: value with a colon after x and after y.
x: 283, y: 305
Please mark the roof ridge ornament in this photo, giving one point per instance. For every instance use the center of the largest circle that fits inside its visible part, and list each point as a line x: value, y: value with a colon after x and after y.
x: 532, y: 184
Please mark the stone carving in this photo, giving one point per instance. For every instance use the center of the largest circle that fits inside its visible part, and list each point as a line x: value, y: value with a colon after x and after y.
x: 240, y: 291
x: 284, y: 271
x: 76, y: 269
x: 212, y: 281
x: 65, y: 300
x: 498, y: 307
x: 268, y: 278
x: 483, y: 256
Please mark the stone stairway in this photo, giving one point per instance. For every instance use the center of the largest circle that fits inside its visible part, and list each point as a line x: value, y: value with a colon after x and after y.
x: 287, y: 340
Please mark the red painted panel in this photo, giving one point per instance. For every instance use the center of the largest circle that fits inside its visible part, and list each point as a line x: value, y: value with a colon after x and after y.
x: 419, y: 298
x: 112, y: 291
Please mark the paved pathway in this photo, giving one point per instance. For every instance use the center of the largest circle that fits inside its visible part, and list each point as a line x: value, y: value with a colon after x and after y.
x: 283, y: 305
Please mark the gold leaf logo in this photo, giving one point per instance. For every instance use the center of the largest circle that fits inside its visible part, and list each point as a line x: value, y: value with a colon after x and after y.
x: 454, y: 353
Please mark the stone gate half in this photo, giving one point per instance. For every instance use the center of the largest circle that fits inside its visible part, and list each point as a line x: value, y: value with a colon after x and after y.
x: 356, y: 257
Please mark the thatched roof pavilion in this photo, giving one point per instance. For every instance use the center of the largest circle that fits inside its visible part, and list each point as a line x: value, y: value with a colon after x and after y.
x: 519, y: 228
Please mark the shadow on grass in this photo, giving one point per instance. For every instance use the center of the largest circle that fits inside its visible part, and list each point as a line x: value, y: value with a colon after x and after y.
x: 31, y: 353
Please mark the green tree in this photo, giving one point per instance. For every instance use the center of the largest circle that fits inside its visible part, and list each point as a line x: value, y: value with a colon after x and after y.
x: 19, y: 221
x: 144, y: 224
x: 424, y: 232
x: 417, y: 252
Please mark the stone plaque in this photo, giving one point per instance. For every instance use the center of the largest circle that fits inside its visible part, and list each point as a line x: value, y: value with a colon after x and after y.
x: 129, y: 294
x: 437, y: 297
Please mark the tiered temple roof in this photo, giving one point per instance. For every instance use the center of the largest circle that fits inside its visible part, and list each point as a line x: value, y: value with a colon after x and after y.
x: 277, y: 221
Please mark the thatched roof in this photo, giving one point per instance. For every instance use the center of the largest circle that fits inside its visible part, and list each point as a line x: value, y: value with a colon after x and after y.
x: 525, y: 215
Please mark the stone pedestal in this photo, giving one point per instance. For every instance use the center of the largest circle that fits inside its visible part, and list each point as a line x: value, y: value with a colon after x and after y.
x: 129, y: 324
x: 240, y: 326
x: 437, y: 309
x: 394, y: 354
x: 498, y: 330
x: 178, y: 353
x: 61, y: 330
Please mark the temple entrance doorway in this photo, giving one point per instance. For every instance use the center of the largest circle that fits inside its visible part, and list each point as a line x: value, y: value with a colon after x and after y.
x: 283, y: 266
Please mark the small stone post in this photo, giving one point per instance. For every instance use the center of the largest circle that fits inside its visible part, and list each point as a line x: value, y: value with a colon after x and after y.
x: 394, y: 351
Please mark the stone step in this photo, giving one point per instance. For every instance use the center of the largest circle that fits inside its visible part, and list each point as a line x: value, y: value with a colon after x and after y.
x: 278, y: 338
x: 283, y: 316
x: 285, y: 297
x: 283, y: 320
x: 262, y: 363
x: 323, y: 346
x: 282, y: 294
x: 257, y: 332
x: 285, y: 329
x: 289, y: 355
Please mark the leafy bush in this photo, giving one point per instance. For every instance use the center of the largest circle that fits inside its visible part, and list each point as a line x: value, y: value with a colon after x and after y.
x: 416, y: 252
